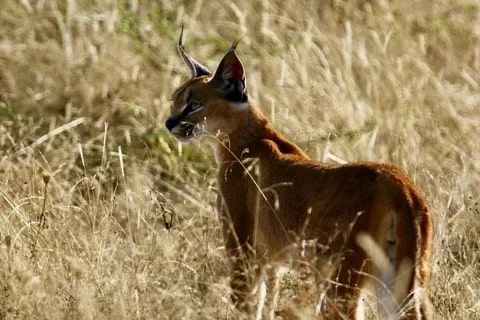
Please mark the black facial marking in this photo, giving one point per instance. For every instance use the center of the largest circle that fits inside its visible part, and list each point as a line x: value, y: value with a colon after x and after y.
x: 236, y: 96
x: 174, y: 120
x: 236, y: 91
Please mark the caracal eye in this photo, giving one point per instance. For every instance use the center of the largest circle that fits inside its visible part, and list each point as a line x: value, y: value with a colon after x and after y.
x: 194, y: 106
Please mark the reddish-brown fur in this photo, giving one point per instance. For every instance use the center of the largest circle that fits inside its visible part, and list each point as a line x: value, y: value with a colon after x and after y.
x: 272, y: 195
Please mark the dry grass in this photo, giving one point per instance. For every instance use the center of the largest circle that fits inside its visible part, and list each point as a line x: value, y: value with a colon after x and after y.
x: 391, y: 81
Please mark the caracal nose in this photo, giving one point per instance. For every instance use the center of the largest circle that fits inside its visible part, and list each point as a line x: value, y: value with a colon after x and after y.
x: 171, y: 123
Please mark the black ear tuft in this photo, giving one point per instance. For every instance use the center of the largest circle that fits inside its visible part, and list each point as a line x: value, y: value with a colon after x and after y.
x: 197, y: 69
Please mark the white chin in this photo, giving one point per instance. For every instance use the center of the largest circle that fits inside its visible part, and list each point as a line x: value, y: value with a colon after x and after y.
x: 186, y: 135
x: 185, y: 139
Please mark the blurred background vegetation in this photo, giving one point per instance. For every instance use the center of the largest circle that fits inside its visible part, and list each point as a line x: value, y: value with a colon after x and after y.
x: 104, y: 215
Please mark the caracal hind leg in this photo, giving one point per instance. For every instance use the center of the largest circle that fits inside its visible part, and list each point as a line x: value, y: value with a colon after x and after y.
x: 426, y: 310
x: 341, y: 300
x: 390, y: 244
x: 407, y: 293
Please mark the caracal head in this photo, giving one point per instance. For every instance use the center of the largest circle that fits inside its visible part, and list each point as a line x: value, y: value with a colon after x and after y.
x: 208, y: 104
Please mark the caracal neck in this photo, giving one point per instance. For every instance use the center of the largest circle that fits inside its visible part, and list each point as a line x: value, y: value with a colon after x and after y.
x: 254, y: 136
x: 250, y: 128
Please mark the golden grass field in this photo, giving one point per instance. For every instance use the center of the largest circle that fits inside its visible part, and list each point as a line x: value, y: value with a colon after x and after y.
x: 103, y: 215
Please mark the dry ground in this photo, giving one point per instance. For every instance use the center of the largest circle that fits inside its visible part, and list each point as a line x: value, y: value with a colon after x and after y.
x: 104, y: 216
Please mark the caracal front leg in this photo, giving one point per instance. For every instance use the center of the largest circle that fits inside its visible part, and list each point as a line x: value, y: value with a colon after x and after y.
x: 268, y: 289
x: 274, y: 277
x: 244, y: 272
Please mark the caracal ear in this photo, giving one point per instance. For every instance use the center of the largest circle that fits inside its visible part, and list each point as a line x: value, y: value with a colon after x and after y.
x: 230, y: 79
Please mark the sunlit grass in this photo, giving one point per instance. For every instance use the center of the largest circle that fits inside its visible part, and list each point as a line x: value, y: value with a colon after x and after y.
x: 395, y: 81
